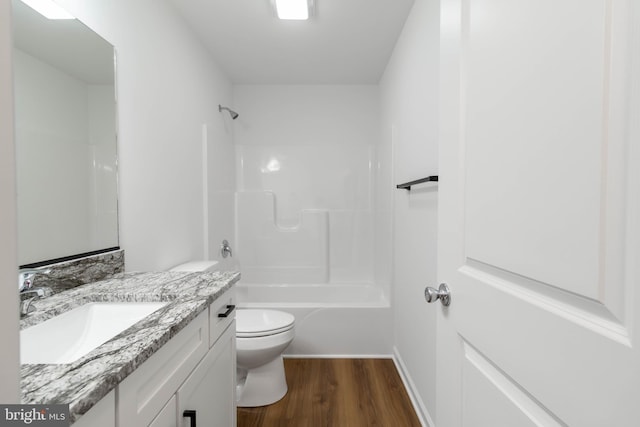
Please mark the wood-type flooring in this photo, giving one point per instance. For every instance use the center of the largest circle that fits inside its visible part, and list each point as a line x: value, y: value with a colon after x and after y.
x: 337, y: 393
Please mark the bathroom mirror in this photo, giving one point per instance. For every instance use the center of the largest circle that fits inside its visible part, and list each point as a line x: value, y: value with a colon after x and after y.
x: 65, y: 133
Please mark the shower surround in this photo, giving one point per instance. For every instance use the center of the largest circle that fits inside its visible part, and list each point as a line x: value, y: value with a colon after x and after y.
x: 305, y: 213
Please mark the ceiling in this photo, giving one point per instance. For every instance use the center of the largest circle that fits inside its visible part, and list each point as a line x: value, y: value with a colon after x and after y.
x: 68, y: 45
x: 345, y: 42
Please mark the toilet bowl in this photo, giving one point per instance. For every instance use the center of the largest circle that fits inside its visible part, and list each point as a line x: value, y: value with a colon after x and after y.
x: 261, y: 338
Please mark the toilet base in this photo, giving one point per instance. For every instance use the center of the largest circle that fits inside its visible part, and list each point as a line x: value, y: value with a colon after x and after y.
x: 263, y: 385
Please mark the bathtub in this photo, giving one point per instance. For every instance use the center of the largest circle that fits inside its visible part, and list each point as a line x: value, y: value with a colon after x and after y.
x: 332, y: 320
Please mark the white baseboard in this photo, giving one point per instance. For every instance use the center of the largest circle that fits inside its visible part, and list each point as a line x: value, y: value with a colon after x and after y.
x: 414, y: 396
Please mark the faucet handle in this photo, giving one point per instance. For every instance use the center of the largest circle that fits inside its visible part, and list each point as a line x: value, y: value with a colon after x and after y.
x: 25, y: 277
x: 225, y: 249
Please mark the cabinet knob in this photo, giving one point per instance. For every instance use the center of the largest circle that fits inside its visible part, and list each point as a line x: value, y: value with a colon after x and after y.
x: 191, y: 415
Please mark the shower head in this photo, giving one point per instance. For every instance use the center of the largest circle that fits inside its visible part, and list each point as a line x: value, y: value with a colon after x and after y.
x: 232, y: 113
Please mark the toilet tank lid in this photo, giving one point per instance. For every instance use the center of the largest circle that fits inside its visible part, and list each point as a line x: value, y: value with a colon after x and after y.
x: 196, y: 266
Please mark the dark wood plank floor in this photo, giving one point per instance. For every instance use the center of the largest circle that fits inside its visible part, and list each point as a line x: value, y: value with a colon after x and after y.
x: 337, y: 393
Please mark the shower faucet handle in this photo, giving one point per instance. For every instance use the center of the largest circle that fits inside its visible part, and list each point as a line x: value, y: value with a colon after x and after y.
x: 225, y: 249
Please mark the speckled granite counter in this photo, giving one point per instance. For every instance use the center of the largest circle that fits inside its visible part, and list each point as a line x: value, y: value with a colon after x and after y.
x: 84, y: 382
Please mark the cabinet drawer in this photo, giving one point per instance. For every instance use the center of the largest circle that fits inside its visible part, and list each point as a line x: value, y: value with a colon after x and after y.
x: 221, y: 313
x: 143, y: 394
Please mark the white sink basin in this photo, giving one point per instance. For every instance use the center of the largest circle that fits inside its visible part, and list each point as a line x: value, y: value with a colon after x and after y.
x: 71, y: 335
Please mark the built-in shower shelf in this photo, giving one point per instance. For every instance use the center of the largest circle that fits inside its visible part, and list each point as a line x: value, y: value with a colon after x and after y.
x: 407, y: 185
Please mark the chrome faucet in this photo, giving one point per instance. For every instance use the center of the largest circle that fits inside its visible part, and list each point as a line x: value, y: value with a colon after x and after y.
x: 26, y: 289
x: 25, y: 304
x: 25, y: 278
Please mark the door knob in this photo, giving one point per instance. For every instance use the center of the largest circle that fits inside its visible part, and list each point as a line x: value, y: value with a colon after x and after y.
x: 442, y: 293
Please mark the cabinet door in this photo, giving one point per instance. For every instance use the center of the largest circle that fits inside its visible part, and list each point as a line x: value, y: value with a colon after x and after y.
x: 103, y: 414
x: 168, y: 417
x: 143, y: 394
x: 210, y: 389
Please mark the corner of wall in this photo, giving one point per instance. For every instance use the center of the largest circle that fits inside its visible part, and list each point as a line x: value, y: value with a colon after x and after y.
x: 426, y: 419
x: 9, y: 351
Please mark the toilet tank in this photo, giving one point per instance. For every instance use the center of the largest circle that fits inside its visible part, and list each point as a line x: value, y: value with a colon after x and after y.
x: 197, y: 266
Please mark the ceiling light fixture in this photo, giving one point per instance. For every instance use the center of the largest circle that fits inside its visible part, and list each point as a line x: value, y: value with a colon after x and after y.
x: 49, y: 9
x: 293, y: 9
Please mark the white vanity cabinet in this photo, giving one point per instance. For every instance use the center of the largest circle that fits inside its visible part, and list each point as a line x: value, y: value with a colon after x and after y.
x: 167, y: 416
x: 194, y: 371
x: 103, y: 413
x: 209, y: 392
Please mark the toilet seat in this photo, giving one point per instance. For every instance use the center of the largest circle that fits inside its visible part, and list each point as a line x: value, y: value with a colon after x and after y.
x: 253, y: 323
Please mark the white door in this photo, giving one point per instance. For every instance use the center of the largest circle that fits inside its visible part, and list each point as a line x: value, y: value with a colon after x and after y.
x: 539, y: 222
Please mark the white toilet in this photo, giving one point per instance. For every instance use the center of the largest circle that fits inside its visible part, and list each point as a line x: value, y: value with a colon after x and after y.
x: 261, y: 338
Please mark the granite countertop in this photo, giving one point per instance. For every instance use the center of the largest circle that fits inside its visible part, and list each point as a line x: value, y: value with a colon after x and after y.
x: 84, y: 382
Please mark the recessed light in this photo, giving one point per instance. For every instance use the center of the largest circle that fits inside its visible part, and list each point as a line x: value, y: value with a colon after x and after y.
x: 293, y: 9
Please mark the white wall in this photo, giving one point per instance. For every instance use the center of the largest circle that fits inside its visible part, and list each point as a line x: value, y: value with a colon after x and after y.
x: 168, y: 87
x: 409, y: 92
x: 313, y: 145
x: 9, y: 356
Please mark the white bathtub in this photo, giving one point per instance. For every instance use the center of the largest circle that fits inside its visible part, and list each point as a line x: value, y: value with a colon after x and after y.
x: 332, y: 320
